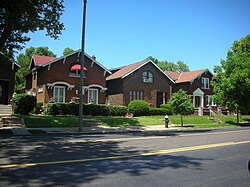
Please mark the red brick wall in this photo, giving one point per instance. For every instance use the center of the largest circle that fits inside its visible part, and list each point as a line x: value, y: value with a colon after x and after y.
x: 60, y: 72
x: 134, y: 82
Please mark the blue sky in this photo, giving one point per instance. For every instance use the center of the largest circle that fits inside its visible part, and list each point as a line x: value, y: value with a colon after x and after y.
x: 120, y: 32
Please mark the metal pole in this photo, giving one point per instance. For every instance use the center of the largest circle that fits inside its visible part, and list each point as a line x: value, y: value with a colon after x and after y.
x: 81, y: 71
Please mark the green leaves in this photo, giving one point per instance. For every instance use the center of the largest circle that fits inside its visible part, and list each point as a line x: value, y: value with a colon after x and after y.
x: 232, y: 83
x: 181, y: 103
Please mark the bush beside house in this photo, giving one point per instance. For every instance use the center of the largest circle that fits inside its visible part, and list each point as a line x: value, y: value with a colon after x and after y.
x: 23, y: 104
x: 138, y: 108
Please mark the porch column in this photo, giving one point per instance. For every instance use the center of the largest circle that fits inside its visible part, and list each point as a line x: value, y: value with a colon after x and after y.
x: 202, y: 100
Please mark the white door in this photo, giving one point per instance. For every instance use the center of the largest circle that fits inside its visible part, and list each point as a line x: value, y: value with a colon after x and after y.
x: 59, y: 94
x: 93, y: 96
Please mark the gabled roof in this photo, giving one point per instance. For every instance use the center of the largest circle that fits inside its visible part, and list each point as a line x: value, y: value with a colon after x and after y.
x: 186, y: 76
x: 75, y: 52
x: 127, y: 70
x: 40, y: 60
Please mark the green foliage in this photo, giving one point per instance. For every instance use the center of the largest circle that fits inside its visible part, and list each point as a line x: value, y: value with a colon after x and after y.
x: 23, y: 104
x: 179, y: 66
x: 232, y: 84
x: 88, y: 109
x: 181, y: 104
x: 157, y: 111
x: 38, y: 108
x: 23, y: 59
x: 138, y: 107
x: 168, y: 107
x: 19, y: 18
x: 67, y: 51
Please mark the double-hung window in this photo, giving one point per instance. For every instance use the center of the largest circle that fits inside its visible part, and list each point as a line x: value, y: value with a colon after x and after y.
x: 205, y: 83
x: 59, y: 94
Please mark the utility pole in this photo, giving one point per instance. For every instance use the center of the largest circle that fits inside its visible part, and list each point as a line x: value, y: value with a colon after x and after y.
x: 81, y: 70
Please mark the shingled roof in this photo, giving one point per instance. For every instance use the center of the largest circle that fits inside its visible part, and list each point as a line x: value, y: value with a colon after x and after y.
x: 126, y: 70
x: 40, y: 60
x: 186, y: 76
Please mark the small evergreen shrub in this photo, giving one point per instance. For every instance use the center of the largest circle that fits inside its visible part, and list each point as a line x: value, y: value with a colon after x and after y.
x: 138, y: 107
x: 38, y: 108
x: 168, y: 107
x: 23, y: 104
x: 157, y: 111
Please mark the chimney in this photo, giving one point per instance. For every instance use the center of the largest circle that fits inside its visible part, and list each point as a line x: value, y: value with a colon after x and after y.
x: 93, y: 57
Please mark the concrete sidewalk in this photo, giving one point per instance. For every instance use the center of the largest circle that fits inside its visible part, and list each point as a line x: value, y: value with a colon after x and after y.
x: 88, y: 130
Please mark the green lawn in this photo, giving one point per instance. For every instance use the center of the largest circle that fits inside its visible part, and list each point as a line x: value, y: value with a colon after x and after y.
x: 71, y: 121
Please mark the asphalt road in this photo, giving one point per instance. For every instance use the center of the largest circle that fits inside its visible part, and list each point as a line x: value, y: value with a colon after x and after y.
x: 200, y: 158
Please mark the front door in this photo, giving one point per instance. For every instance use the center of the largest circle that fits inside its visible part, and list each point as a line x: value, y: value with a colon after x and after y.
x: 159, y: 99
x: 3, y: 93
x: 197, y: 101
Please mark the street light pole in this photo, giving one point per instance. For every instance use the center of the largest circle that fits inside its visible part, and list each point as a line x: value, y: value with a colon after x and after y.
x: 82, y: 66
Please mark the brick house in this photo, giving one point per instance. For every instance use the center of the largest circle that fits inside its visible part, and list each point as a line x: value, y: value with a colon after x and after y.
x: 58, y: 79
x: 195, y: 83
x: 8, y: 68
x: 143, y: 80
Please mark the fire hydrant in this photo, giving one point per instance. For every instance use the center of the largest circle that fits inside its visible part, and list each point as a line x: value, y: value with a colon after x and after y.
x: 166, y: 121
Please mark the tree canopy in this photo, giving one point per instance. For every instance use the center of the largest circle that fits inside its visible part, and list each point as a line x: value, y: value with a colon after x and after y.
x: 179, y: 66
x: 18, y: 17
x: 232, y: 84
x: 181, y: 104
x: 24, y: 60
x: 67, y: 51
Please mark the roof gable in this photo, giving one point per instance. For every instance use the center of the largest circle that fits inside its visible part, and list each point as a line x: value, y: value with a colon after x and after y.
x: 73, y: 53
x: 186, y: 76
x: 127, y: 70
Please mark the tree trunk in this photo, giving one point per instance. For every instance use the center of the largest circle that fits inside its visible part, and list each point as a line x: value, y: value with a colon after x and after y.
x: 237, y: 116
x: 181, y: 121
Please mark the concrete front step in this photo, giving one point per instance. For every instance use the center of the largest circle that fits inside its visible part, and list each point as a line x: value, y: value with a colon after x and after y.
x: 5, y: 109
x: 12, y: 121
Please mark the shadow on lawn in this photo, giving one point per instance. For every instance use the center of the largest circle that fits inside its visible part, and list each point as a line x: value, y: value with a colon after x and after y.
x: 30, y: 150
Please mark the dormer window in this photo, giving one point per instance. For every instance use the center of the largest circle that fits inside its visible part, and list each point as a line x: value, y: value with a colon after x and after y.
x: 205, y: 83
x: 75, y: 70
x: 147, y: 77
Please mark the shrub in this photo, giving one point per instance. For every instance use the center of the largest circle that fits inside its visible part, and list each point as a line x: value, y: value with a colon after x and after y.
x: 138, y: 107
x: 88, y: 109
x: 168, y: 107
x: 23, y: 104
x: 157, y: 111
x: 38, y: 108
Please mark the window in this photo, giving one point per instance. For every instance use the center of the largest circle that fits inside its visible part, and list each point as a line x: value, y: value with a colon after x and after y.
x: 75, y: 73
x: 205, y: 83
x: 209, y: 101
x: 59, y: 94
x: 136, y: 95
x: 147, y: 77
x: 40, y: 89
x: 93, y: 96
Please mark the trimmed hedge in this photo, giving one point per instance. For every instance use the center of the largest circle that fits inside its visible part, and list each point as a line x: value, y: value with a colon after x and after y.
x: 138, y: 108
x: 157, y: 111
x: 168, y: 107
x: 23, y: 104
x: 88, y: 109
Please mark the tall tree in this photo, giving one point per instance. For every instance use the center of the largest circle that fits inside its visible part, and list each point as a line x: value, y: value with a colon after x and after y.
x: 232, y: 84
x: 179, y: 66
x: 24, y: 60
x: 181, y: 104
x: 67, y: 51
x: 18, y: 17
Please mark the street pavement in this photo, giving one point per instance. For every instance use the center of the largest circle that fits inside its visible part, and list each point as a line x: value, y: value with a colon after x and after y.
x: 152, y: 158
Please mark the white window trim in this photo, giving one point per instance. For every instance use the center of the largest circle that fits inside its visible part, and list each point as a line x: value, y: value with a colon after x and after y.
x: 203, y: 80
x: 63, y: 92
x: 212, y: 104
x: 40, y: 88
x: 97, y: 95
